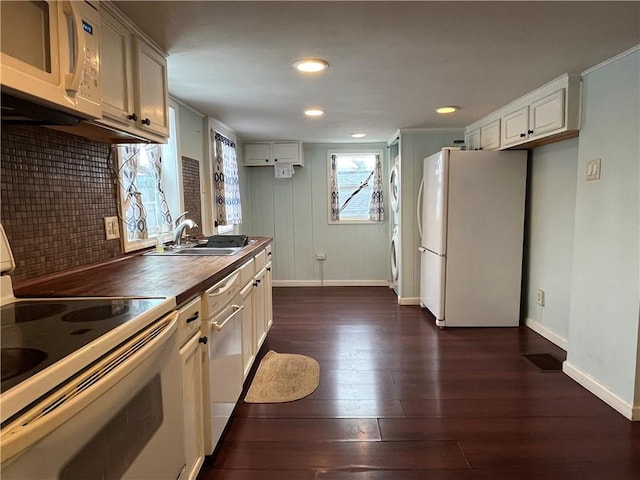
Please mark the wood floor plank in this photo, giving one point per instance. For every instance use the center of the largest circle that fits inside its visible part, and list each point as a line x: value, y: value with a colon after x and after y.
x: 323, y: 455
x: 313, y: 430
x: 401, y: 399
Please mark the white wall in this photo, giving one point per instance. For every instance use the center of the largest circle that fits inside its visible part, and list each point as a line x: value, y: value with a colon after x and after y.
x: 603, y: 321
x: 294, y: 212
x: 550, y: 235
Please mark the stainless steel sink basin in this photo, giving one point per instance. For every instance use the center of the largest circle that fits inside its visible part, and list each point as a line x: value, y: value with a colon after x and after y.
x: 198, y: 250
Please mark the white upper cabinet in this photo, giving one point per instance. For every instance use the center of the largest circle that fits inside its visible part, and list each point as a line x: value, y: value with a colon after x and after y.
x: 485, y: 137
x: 135, y: 97
x: 117, y: 74
x: 490, y: 136
x: 515, y: 126
x: 535, y: 120
x: 549, y: 113
x: 152, y: 92
x: 269, y: 153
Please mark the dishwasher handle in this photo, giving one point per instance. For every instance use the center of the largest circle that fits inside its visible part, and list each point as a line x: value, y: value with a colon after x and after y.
x: 219, y: 326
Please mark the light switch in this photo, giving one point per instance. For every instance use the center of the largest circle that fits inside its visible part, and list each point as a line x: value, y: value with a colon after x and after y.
x: 593, y: 169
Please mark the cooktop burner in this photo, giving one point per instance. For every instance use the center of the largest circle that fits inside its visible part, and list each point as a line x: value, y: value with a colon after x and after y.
x: 38, y: 333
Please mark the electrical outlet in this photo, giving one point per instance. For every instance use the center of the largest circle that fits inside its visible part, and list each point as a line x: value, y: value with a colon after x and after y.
x: 540, y: 297
x: 111, y: 228
x: 321, y: 256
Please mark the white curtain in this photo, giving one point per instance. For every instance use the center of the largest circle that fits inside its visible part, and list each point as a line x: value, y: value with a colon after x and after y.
x: 335, y: 196
x: 225, y: 180
x: 376, y: 206
x: 135, y: 213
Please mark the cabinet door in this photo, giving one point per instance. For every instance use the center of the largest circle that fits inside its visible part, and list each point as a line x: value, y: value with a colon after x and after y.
x: 547, y: 114
x: 248, y: 327
x: 192, y: 357
x: 472, y: 139
x: 268, y: 297
x: 259, y: 308
x: 490, y: 136
x: 151, y: 76
x: 257, y: 154
x: 285, y: 152
x: 115, y: 71
x: 515, y: 126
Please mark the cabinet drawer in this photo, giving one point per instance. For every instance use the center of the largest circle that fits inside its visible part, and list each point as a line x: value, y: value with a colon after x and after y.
x: 261, y: 260
x: 247, y: 271
x: 189, y: 318
x: 218, y: 296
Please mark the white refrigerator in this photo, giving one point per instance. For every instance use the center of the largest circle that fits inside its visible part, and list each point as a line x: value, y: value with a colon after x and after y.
x: 471, y: 219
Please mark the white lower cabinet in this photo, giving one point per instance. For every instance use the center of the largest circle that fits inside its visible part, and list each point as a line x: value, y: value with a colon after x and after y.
x: 248, y: 343
x: 192, y: 358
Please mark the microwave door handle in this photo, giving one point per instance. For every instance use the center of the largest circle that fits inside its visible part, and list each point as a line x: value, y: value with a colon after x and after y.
x: 72, y: 79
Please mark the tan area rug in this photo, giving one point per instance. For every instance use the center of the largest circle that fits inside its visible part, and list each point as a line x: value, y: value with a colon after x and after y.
x: 283, y: 377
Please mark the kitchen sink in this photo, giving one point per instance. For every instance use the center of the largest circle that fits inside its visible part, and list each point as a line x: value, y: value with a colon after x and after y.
x: 198, y: 250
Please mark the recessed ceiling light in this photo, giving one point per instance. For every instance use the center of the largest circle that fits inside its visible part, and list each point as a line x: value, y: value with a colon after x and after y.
x: 313, y: 112
x: 447, y: 109
x: 358, y: 135
x: 311, y: 65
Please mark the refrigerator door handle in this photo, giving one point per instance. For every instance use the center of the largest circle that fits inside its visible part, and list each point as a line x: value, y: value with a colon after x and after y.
x: 418, y: 209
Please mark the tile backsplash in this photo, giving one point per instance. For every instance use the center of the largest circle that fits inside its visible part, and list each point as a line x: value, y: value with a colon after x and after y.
x: 56, y: 189
x: 191, y: 188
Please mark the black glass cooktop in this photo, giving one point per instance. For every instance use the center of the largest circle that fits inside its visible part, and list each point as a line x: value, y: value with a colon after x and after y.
x: 38, y: 333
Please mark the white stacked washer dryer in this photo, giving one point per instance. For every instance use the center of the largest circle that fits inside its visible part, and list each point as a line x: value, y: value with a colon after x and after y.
x: 394, y: 202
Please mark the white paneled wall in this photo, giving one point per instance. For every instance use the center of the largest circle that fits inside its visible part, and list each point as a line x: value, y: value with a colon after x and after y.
x: 415, y: 146
x: 549, y: 255
x: 294, y: 212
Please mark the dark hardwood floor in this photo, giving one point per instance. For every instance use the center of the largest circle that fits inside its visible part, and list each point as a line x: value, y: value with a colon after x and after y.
x: 400, y: 399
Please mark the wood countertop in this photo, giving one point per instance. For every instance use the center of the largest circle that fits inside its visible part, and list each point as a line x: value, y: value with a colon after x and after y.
x: 181, y: 277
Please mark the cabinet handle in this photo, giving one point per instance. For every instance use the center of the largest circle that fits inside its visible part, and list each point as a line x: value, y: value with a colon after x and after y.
x: 530, y: 132
x: 268, y: 269
x: 219, y: 326
x: 522, y: 135
x: 193, y: 318
x: 275, y: 159
x: 256, y: 283
x: 269, y: 253
x: 145, y: 121
x: 266, y: 160
x: 203, y: 340
x: 133, y: 117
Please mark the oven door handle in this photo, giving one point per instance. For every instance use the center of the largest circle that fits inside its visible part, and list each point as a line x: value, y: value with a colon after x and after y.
x: 219, y: 326
x: 84, y: 389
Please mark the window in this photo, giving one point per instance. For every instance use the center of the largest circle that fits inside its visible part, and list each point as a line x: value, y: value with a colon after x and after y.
x: 355, y: 187
x: 228, y: 208
x: 149, y: 190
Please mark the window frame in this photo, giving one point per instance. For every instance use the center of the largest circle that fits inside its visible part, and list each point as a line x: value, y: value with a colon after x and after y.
x: 354, y: 152
x: 177, y: 196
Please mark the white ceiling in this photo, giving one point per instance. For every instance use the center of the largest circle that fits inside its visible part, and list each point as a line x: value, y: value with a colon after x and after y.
x: 391, y: 63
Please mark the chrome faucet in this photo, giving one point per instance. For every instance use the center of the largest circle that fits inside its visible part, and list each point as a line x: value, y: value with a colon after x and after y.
x: 177, y: 233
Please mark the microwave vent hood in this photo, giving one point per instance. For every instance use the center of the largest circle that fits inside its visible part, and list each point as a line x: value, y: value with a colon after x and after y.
x: 17, y: 111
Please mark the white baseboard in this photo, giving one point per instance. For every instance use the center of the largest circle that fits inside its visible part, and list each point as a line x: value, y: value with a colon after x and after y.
x: 408, y: 301
x: 602, y: 392
x: 330, y: 283
x: 550, y: 335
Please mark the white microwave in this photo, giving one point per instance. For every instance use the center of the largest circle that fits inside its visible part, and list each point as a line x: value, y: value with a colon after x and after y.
x: 50, y: 54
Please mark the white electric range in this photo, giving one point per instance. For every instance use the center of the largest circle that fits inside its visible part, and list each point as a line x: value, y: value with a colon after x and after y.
x: 46, y: 340
x: 67, y: 360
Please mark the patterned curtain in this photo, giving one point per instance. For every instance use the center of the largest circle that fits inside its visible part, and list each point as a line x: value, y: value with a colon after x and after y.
x: 335, y: 196
x: 135, y: 213
x: 225, y: 181
x: 376, y: 206
x: 164, y: 220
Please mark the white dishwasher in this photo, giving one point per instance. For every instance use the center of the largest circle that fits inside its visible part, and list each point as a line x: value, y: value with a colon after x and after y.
x: 223, y: 368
